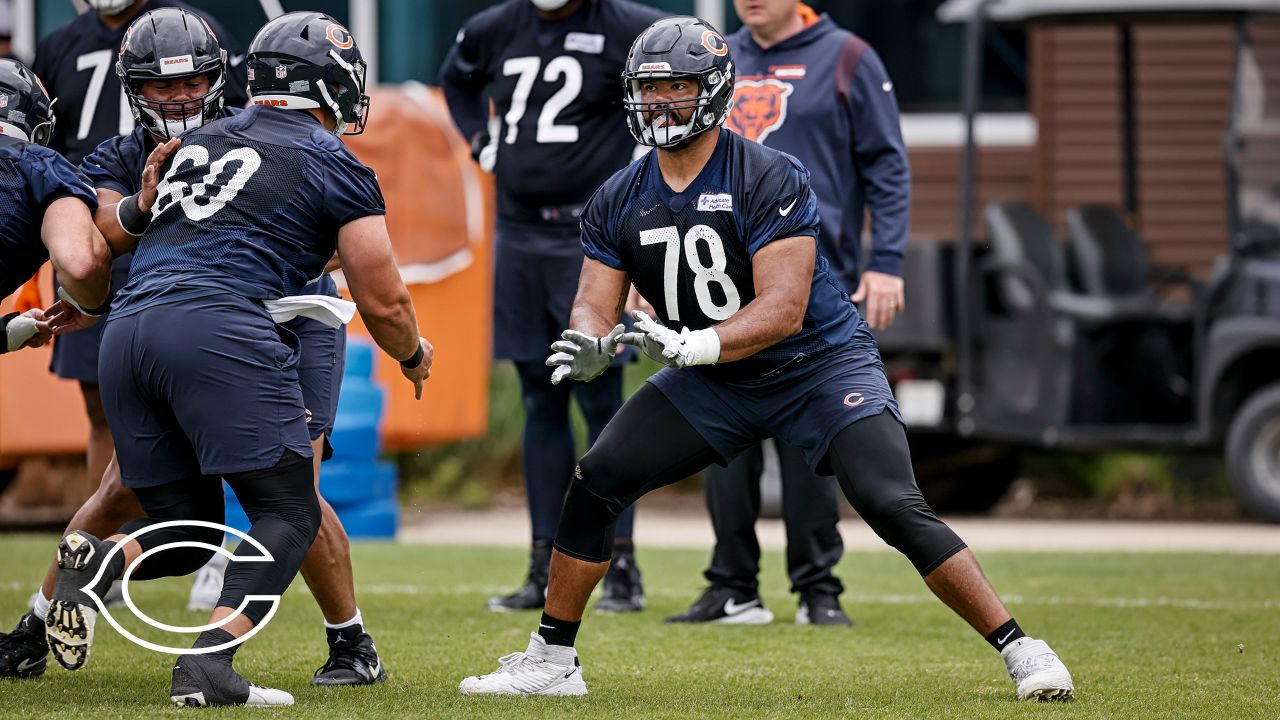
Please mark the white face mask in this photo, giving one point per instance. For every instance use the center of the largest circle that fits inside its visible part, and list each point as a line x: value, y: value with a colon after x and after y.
x: 549, y: 5
x: 110, y: 7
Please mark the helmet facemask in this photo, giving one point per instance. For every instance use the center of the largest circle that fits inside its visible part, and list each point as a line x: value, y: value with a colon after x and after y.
x: 652, y: 131
x: 341, y: 84
x: 168, y: 119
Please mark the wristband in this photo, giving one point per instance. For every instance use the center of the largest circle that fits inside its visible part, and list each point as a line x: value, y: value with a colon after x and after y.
x: 702, y: 347
x: 413, y: 360
x: 132, y: 220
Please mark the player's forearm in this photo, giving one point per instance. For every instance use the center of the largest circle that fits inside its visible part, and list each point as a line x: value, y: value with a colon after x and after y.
x: 764, y: 322
x: 119, y: 241
x: 393, y: 325
x: 78, y: 252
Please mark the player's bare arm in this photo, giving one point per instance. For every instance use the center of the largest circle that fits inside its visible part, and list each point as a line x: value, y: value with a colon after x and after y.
x: 79, y: 254
x: 384, y: 303
x: 112, y: 217
x: 782, y: 272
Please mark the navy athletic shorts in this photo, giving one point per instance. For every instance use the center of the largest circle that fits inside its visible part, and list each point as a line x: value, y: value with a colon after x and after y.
x: 75, y: 355
x: 536, y: 270
x: 206, y: 386
x: 805, y: 405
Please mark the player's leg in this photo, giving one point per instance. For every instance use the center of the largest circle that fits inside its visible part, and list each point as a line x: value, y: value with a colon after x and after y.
x: 648, y: 444
x: 101, y: 448
x: 873, y: 465
x: 733, y: 502
x: 23, y: 652
x: 810, y: 509
x: 623, y: 586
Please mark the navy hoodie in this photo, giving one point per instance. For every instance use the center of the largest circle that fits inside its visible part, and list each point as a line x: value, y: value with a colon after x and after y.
x: 824, y: 96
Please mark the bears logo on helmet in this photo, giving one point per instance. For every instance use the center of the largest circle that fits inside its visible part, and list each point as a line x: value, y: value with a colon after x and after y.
x: 339, y: 36
x: 715, y: 44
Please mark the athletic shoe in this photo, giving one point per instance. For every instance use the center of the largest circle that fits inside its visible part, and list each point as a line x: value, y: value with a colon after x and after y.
x: 540, y: 670
x: 206, y: 589
x: 623, y: 590
x: 821, y: 609
x: 1037, y: 670
x: 533, y: 594
x: 72, y: 613
x: 353, y: 659
x: 25, y: 651
x: 724, y: 605
x: 204, y: 680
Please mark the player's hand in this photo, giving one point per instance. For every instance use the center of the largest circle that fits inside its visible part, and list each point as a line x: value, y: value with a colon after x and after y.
x: 484, y: 151
x: 27, y: 330
x: 671, y: 348
x: 63, y: 318
x: 583, y: 357
x: 419, y: 374
x: 151, y: 173
x: 884, y: 296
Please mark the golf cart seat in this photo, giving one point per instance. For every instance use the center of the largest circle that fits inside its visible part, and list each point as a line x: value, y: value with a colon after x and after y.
x: 1110, y: 260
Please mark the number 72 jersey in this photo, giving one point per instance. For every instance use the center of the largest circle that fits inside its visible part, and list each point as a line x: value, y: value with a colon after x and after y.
x: 690, y: 253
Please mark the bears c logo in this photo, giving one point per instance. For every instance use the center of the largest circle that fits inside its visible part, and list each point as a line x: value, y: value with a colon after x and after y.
x: 715, y: 44
x: 339, y: 36
x: 759, y: 107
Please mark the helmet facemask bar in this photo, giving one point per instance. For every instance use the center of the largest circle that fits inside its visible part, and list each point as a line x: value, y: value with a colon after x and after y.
x: 356, y: 112
x: 168, y: 119
x: 671, y: 137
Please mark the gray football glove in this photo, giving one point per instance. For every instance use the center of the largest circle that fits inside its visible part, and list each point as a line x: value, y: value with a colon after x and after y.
x: 671, y: 348
x: 582, y: 357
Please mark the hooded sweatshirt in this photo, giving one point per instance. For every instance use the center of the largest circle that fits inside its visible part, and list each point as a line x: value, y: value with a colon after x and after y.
x: 823, y: 96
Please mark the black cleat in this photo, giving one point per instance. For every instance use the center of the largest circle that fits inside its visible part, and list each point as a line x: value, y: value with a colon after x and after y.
x: 533, y: 594
x: 72, y: 612
x: 725, y: 605
x: 353, y: 659
x: 623, y: 590
x: 204, y: 680
x: 24, y: 652
x: 821, y: 609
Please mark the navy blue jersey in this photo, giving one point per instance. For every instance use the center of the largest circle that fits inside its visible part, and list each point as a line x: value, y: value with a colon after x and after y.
x: 77, y: 62
x: 31, y: 178
x: 251, y: 205
x: 690, y: 253
x: 557, y: 91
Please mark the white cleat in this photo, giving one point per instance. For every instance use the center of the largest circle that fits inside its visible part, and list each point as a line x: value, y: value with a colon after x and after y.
x: 206, y: 589
x: 1037, y: 670
x: 258, y: 697
x: 540, y: 670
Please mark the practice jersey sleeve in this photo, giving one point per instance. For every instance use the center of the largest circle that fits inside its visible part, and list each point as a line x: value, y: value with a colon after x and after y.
x: 782, y: 204
x: 50, y: 177
x: 351, y: 191
x: 465, y: 74
x: 881, y: 158
x: 114, y: 164
x: 599, y: 236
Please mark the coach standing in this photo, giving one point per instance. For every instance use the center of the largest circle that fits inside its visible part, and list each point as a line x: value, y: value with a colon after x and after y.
x: 551, y: 68
x: 820, y: 93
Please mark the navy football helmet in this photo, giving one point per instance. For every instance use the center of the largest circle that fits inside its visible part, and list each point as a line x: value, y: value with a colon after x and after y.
x: 171, y: 44
x: 304, y: 60
x: 675, y: 47
x: 26, y: 112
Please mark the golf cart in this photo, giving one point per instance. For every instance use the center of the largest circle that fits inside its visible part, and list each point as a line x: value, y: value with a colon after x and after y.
x: 1031, y: 342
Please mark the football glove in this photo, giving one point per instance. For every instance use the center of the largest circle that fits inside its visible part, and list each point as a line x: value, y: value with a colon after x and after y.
x: 582, y: 357
x: 671, y: 348
x: 18, y: 329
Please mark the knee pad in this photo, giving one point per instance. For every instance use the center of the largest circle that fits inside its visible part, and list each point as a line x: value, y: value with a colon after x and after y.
x: 587, y: 522
x: 910, y: 526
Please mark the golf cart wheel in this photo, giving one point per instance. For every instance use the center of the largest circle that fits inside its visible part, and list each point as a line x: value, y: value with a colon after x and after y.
x: 1253, y: 453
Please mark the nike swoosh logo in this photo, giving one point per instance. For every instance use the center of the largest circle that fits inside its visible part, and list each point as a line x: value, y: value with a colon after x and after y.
x: 1006, y: 637
x: 27, y: 664
x: 733, y: 608
x: 787, y: 210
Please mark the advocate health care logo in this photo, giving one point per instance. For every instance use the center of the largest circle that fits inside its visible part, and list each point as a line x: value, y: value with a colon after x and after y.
x: 128, y: 600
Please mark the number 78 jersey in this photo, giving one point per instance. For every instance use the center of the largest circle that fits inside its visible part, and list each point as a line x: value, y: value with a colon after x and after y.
x: 690, y: 253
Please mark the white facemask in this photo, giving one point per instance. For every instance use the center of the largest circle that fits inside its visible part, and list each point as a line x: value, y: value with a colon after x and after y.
x: 549, y: 5
x: 110, y: 7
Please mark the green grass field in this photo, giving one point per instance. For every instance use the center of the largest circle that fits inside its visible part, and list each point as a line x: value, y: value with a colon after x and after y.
x: 1146, y: 636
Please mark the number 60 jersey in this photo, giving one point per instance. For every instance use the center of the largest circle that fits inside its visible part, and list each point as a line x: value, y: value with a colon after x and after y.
x: 251, y: 205
x: 690, y: 253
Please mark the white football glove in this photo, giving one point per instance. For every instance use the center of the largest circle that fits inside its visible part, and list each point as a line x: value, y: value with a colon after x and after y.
x: 671, y: 348
x: 18, y: 330
x: 582, y: 357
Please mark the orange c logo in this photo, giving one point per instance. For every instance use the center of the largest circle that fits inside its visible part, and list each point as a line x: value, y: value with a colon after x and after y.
x: 714, y: 44
x: 851, y: 402
x: 339, y: 36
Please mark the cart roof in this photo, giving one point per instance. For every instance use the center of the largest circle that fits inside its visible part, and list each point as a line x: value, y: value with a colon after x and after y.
x: 1018, y: 10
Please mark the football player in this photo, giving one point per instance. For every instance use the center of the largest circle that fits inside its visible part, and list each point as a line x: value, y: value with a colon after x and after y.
x: 174, y: 73
x: 551, y: 68
x: 48, y: 210
x: 719, y: 233
x: 250, y: 208
x: 77, y: 61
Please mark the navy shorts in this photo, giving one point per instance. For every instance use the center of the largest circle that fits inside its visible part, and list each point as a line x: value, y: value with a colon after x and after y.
x: 206, y: 386
x: 75, y: 355
x: 806, y: 405
x: 322, y: 358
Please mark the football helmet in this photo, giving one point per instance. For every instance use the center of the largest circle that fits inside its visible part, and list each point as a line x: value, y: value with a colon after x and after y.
x: 171, y: 44
x: 675, y: 47
x: 26, y: 112
x: 304, y: 60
